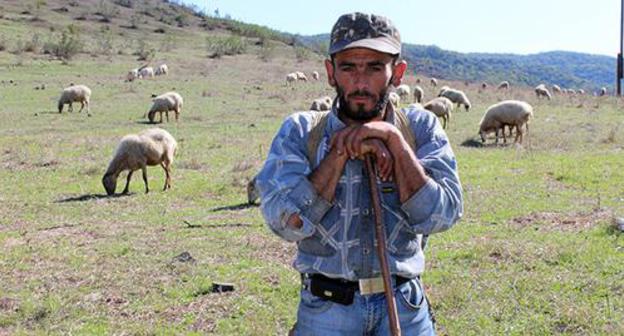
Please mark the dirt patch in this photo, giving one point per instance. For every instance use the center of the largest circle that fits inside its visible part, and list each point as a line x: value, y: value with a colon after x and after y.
x: 552, y: 221
x: 271, y: 250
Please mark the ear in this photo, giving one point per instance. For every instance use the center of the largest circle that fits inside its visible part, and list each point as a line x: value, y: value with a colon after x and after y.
x: 329, y: 67
x: 398, y: 71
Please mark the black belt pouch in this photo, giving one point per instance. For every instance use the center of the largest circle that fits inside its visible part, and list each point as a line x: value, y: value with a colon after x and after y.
x: 332, y: 290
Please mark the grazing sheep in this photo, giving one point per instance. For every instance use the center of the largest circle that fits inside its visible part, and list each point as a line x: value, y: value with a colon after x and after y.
x: 146, y: 72
x: 315, y: 75
x: 504, y: 85
x: 132, y: 75
x: 456, y: 96
x: 169, y: 101
x: 542, y: 91
x: 556, y: 89
x: 252, y: 191
x: 442, y: 89
x: 151, y: 147
x: 291, y: 78
x: 394, y: 99
x: 72, y: 94
x: 513, y: 113
x: 321, y: 104
x: 441, y: 107
x: 419, y: 93
x: 580, y: 92
x: 162, y: 69
x: 301, y: 76
x: 603, y: 91
x: 433, y: 81
x: 403, y: 91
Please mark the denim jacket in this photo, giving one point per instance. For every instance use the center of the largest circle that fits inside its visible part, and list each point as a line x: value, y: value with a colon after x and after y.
x: 338, y: 239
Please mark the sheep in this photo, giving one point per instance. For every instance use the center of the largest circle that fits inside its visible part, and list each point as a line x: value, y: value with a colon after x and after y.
x: 321, y: 104
x: 504, y: 85
x: 291, y: 78
x: 419, y: 93
x: 162, y: 69
x: 75, y: 93
x: 315, y: 75
x: 542, y: 91
x: 457, y: 96
x: 133, y: 74
x: 580, y: 92
x: 603, y: 91
x: 441, y: 107
x: 442, y: 89
x: 301, y: 76
x: 146, y: 72
x: 556, y: 89
x: 169, y: 101
x: 252, y: 191
x: 433, y: 81
x: 513, y: 113
x: 394, y: 99
x: 151, y: 147
x: 403, y: 91
x: 484, y: 86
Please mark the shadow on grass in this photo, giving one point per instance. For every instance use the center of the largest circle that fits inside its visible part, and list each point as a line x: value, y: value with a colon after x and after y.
x: 147, y: 122
x: 89, y: 197
x: 472, y: 143
x: 234, y: 207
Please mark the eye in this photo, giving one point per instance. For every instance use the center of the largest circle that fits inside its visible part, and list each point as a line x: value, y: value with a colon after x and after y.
x: 347, y: 68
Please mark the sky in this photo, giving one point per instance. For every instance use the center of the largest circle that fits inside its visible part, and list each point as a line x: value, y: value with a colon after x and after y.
x: 493, y: 26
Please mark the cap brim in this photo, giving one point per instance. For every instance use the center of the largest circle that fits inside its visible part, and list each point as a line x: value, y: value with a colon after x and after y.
x: 381, y: 44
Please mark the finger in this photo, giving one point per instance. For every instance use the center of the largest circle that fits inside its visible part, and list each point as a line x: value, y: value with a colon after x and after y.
x: 352, y: 148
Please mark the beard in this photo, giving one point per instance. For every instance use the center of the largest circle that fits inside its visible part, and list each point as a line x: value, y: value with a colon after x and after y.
x: 360, y: 113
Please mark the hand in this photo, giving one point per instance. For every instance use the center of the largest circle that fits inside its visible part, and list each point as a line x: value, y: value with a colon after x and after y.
x: 350, y: 139
x: 383, y: 159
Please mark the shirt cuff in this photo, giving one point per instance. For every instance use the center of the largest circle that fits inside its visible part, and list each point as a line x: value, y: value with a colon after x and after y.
x: 419, y: 207
x: 311, y: 205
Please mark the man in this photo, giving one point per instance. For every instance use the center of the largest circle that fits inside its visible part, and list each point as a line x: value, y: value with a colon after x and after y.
x: 322, y: 200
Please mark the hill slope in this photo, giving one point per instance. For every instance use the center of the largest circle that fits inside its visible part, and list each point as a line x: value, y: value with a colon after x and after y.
x: 567, y: 69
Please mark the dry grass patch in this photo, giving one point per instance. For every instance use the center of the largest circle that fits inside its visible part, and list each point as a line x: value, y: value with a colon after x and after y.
x: 573, y: 222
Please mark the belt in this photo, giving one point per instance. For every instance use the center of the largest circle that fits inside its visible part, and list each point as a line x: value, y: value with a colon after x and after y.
x: 341, y: 290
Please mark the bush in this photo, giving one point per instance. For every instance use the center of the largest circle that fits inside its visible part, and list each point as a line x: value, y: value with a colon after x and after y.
x: 267, y: 50
x: 67, y: 45
x: 301, y: 54
x: 125, y: 3
x: 104, y: 41
x: 218, y: 46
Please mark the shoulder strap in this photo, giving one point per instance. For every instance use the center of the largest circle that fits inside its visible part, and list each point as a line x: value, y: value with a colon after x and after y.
x: 403, y: 124
x: 317, y: 126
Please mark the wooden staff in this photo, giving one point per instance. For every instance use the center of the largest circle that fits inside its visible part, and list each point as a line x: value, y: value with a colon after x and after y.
x: 395, y: 327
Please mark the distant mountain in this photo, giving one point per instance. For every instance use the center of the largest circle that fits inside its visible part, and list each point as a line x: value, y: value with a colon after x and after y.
x: 566, y: 69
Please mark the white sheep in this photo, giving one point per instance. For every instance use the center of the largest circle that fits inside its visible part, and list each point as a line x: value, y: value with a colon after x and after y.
x: 72, y: 94
x: 169, y: 101
x: 151, y: 147
x: 512, y: 113
x: 542, y: 91
x: 441, y: 107
x: 403, y: 91
x: 162, y: 69
x: 321, y: 104
x: 132, y: 75
x: 433, y: 81
x: 556, y: 89
x: 580, y: 92
x: 603, y: 91
x: 301, y: 76
x: 442, y: 89
x: 146, y: 72
x: 504, y: 85
x: 315, y: 75
x: 419, y: 93
x: 291, y: 78
x: 458, y: 97
x: 394, y: 99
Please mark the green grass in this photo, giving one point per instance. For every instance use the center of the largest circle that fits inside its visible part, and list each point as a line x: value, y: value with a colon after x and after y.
x: 534, y: 254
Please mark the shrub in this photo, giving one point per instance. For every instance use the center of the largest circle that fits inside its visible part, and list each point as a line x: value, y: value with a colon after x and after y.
x: 67, y: 45
x: 267, y: 50
x: 124, y: 3
x: 301, y: 54
x: 144, y: 51
x: 218, y: 45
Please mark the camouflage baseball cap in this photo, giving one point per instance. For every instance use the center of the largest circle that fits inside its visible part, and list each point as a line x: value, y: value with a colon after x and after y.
x: 365, y: 31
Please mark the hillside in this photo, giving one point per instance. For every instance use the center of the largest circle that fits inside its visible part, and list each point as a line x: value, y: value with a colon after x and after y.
x: 567, y: 69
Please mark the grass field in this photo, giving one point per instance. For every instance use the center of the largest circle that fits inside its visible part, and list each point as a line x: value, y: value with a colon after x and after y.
x: 535, y: 254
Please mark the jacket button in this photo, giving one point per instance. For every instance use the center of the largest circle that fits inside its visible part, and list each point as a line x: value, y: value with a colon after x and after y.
x: 365, y: 212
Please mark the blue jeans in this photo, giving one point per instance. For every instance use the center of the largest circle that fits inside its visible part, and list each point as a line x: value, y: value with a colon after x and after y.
x: 367, y: 315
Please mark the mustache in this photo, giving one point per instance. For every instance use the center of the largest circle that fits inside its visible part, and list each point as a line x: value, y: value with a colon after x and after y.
x: 361, y: 93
